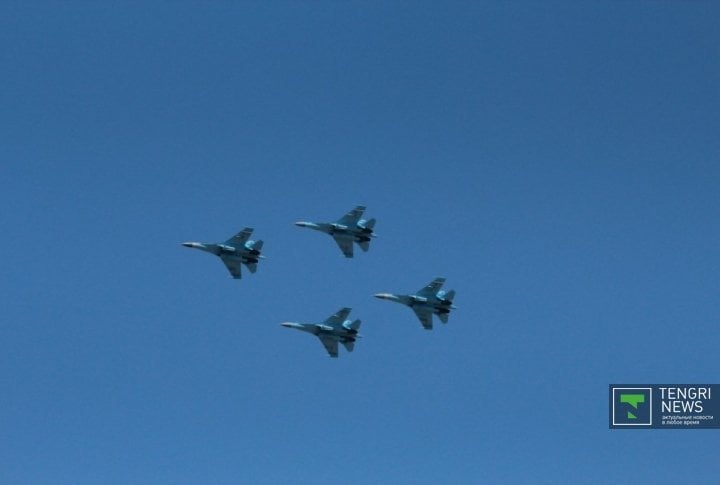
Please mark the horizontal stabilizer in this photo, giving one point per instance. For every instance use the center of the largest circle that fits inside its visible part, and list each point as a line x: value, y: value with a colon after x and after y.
x: 252, y: 267
x: 443, y: 317
x: 349, y: 346
x: 364, y: 245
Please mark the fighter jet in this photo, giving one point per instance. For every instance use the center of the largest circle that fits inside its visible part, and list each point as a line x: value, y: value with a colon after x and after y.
x: 235, y: 251
x: 426, y: 302
x: 333, y: 330
x: 346, y: 230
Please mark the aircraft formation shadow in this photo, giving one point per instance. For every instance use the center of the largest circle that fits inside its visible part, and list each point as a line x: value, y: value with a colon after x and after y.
x: 350, y: 229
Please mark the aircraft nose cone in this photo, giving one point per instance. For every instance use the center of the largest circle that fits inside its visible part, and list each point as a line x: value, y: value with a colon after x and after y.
x: 187, y: 244
x: 286, y: 324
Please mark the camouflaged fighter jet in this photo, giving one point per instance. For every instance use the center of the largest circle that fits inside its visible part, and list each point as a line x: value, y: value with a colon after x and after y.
x: 426, y: 302
x: 333, y: 330
x: 346, y: 230
x: 234, y: 252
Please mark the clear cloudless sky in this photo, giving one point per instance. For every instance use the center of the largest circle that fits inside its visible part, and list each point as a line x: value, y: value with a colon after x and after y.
x: 556, y: 161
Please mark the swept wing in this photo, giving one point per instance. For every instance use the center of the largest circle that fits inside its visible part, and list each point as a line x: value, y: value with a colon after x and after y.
x: 233, y: 265
x: 345, y: 244
x: 352, y: 217
x: 424, y: 314
x: 432, y: 288
x: 239, y: 239
x: 338, y: 318
x: 331, y: 345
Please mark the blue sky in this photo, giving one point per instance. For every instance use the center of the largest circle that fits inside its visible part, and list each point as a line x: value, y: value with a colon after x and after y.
x: 555, y: 161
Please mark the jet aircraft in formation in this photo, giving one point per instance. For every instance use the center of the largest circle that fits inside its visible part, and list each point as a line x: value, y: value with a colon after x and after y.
x: 346, y: 230
x: 351, y: 228
x: 336, y: 328
x: 427, y: 301
x: 234, y: 252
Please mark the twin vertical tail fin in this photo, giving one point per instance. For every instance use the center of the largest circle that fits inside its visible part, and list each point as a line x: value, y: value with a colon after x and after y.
x: 448, y: 296
x: 352, y: 329
x: 363, y: 239
x: 445, y: 305
x: 251, y: 259
x: 350, y: 344
x: 369, y: 224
